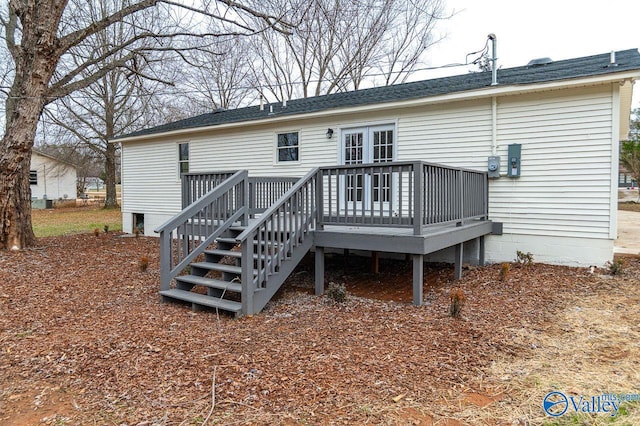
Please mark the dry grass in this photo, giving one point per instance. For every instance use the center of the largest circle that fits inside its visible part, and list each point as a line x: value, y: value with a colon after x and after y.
x: 629, y: 206
x: 592, y: 348
x: 74, y: 220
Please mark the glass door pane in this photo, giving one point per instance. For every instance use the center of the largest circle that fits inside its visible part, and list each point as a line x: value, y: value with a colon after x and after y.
x: 382, y: 141
x: 354, y: 154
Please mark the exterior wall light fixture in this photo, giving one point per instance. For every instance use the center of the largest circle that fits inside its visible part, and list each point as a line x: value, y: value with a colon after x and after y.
x: 329, y: 133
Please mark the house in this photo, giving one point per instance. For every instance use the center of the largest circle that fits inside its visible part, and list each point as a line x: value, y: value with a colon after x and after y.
x: 625, y: 180
x: 51, y: 179
x: 536, y: 152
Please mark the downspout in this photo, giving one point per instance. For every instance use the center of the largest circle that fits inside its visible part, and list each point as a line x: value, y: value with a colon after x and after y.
x: 494, y: 125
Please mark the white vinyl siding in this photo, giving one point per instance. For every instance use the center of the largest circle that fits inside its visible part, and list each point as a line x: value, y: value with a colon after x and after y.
x: 253, y: 150
x: 149, y: 182
x: 564, y: 189
x: 53, y: 178
x: 566, y: 136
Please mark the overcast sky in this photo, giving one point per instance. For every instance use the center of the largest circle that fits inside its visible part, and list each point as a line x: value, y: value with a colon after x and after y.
x: 559, y: 29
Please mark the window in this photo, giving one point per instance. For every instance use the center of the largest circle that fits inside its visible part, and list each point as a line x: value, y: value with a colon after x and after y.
x: 287, y: 148
x: 33, y: 177
x: 183, y: 157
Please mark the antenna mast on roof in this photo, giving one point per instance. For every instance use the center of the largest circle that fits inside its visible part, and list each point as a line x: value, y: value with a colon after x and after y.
x: 494, y: 59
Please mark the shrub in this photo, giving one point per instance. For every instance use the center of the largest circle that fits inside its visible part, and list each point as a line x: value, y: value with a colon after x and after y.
x: 106, y: 228
x: 144, y: 263
x: 525, y: 259
x: 458, y: 299
x: 615, y: 267
x: 504, y: 271
x: 337, y: 292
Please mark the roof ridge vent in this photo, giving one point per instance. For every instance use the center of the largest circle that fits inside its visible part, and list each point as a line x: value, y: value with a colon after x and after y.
x: 538, y: 62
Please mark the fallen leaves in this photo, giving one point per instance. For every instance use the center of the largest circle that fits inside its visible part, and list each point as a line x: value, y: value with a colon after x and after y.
x: 78, y: 313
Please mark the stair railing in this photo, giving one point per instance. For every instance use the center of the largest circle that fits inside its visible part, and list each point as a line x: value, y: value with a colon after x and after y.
x: 276, y: 234
x: 188, y: 234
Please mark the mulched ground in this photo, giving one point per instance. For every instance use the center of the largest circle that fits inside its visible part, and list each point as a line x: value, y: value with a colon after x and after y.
x: 84, y: 339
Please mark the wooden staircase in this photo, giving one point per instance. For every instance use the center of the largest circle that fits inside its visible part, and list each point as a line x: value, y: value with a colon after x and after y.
x: 223, y: 292
x: 204, y: 249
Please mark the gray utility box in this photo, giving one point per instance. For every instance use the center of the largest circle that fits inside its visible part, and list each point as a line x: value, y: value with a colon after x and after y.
x: 513, y: 160
x: 493, y: 167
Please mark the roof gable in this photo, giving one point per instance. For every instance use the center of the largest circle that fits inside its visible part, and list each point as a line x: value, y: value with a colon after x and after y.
x: 560, y: 70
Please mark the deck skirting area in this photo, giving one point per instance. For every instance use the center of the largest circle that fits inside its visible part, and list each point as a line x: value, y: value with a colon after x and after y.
x: 395, y: 240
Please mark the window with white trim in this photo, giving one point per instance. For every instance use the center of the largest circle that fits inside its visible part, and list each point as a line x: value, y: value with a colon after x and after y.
x: 33, y: 177
x: 183, y: 158
x: 287, y: 148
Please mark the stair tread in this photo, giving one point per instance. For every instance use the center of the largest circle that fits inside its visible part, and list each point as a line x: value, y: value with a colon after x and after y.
x: 230, y: 253
x: 221, y: 252
x: 219, y: 267
x: 211, y: 282
x: 201, y: 299
x: 227, y: 240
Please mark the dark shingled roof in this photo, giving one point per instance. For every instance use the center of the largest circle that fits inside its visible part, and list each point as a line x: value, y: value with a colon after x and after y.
x: 561, y: 70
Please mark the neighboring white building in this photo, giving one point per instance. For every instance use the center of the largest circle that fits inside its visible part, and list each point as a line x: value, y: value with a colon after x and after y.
x: 52, y: 178
x: 567, y: 116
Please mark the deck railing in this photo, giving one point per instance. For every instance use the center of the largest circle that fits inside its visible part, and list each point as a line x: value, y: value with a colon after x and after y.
x: 188, y: 234
x: 412, y: 194
x: 263, y: 191
x: 401, y: 194
x: 195, y: 185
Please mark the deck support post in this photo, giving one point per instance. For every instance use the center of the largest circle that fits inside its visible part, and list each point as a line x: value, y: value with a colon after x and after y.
x: 319, y: 271
x: 375, y: 262
x: 457, y: 269
x: 418, y: 278
x: 481, y: 259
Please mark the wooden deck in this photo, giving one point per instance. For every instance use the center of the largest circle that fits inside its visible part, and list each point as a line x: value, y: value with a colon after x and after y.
x: 414, y: 208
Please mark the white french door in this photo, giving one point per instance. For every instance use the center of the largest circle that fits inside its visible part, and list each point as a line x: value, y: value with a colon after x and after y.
x: 367, y: 145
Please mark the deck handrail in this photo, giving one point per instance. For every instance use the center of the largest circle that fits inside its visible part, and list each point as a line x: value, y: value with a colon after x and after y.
x: 276, y: 234
x: 199, y: 224
x: 405, y: 194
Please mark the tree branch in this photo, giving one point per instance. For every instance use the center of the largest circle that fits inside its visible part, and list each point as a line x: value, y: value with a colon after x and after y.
x: 74, y: 38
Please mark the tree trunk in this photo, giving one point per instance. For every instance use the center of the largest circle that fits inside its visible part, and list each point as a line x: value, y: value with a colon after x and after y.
x: 111, y: 200
x: 15, y: 162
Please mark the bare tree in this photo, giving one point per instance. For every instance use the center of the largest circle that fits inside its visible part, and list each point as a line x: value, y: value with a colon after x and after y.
x: 412, y: 23
x: 40, y: 36
x: 217, y: 78
x: 118, y: 102
x: 339, y: 44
